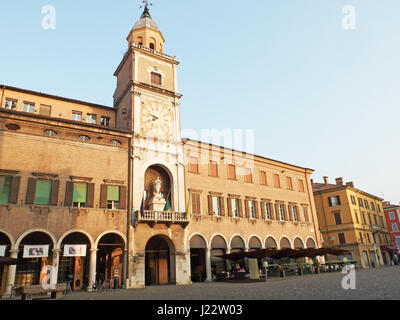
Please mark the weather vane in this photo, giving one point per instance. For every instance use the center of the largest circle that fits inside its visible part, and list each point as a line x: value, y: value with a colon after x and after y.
x: 146, y: 4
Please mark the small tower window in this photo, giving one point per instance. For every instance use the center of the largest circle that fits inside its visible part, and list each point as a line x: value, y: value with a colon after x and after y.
x: 156, y: 78
x: 152, y: 46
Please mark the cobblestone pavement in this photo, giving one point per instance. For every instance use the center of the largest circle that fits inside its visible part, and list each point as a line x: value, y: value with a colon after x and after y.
x: 381, y: 284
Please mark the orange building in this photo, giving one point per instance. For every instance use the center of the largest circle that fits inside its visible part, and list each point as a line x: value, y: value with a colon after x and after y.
x: 115, y: 193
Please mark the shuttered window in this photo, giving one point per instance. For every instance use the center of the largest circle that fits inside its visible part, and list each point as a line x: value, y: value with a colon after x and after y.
x: 45, y: 110
x: 80, y: 194
x: 263, y: 178
x: 289, y: 183
x: 156, y: 78
x: 43, y: 192
x: 301, y: 185
x: 196, y: 207
x: 248, y: 175
x: 306, y: 218
x: 295, y: 214
x: 5, y: 188
x: 231, y: 172
x: 342, y: 238
x: 213, y: 169
x: 268, y: 213
x: 277, y: 182
x: 282, y: 212
x: 193, y: 165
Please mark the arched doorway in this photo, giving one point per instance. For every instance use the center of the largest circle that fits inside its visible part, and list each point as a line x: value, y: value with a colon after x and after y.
x: 255, y: 244
x: 35, y: 252
x: 160, y: 266
x: 152, y: 174
x: 110, y: 259
x: 298, y: 243
x: 366, y: 259
x: 5, y: 246
x: 311, y: 244
x: 238, y: 245
x: 285, y: 243
x: 74, y: 261
x: 270, y: 243
x: 198, y: 248
x: 218, y: 248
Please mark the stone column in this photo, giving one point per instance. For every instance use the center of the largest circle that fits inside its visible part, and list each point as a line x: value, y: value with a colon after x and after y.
x: 208, y: 265
x: 11, y: 270
x: 92, y: 269
x: 228, y: 262
x: 55, y: 263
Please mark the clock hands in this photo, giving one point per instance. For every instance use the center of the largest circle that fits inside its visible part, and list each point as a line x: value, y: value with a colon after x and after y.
x: 153, y: 116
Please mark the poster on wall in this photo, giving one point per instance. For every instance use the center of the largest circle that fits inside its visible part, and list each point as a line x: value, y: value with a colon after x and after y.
x: 3, y: 251
x: 74, y: 250
x: 38, y: 251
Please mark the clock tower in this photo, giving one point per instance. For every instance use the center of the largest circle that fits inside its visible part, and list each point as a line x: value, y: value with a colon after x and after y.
x: 147, y: 103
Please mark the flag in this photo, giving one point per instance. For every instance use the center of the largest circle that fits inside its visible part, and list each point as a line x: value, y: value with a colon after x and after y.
x: 188, y: 207
x: 167, y: 206
x: 142, y: 208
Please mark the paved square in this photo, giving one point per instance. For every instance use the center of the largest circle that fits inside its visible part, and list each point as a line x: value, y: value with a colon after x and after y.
x: 375, y: 284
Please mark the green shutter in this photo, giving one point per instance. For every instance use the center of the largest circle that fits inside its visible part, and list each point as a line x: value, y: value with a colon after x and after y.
x: 80, y: 192
x: 5, y: 188
x: 113, y: 193
x: 43, y: 192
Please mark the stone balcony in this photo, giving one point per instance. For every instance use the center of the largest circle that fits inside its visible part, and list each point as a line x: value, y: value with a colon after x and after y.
x: 165, y: 217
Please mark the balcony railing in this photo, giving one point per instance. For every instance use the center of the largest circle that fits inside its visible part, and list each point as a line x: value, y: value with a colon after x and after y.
x: 163, y: 217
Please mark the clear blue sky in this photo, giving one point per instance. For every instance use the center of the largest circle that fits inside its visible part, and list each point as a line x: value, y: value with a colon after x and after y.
x: 316, y: 95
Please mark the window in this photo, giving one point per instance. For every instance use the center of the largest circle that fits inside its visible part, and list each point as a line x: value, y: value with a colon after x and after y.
x: 382, y: 224
x: 295, y: 214
x: 193, y: 165
x: 268, y: 213
x: 366, y: 204
x: 45, y: 110
x: 369, y: 219
x: 248, y: 175
x: 213, y: 168
x: 372, y: 206
x: 353, y: 200
x: 152, y: 46
x: 231, y: 172
x: 76, y: 116
x: 105, y: 121
x: 392, y: 215
x: 235, y: 208
x: 338, y: 218
x: 277, y: 182
x: 334, y: 201
x: 29, y: 107
x: 289, y: 183
x: 42, y: 192
x: 91, y: 118
x: 113, y: 198
x: 356, y: 214
x: 301, y: 185
x: 263, y: 178
x: 282, y: 212
x: 361, y: 238
x: 10, y: 104
x: 156, y: 78
x: 342, y: 238
x: 252, y: 209
x: 365, y: 221
x: 397, y: 239
x: 80, y: 195
x: 379, y: 207
x: 375, y: 220
x: 305, y: 211
x: 196, y: 204
x: 361, y: 203
x: 216, y: 206
x: 368, y: 238
x: 5, y: 188
x: 395, y: 227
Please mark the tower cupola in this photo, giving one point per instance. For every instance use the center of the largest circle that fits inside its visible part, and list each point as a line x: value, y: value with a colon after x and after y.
x: 145, y: 32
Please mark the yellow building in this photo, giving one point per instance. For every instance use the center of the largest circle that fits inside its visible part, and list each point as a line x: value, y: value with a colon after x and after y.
x: 352, y: 219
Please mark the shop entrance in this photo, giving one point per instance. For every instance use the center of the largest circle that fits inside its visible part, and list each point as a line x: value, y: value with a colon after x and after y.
x: 160, y: 261
x: 110, y: 259
x: 35, y: 251
x: 5, y: 246
x: 74, y: 261
x: 198, y: 248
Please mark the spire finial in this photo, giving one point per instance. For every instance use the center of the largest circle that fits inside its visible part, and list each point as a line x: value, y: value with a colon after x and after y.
x: 146, y: 12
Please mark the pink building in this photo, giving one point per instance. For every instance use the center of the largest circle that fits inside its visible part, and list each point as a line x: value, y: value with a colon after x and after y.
x: 392, y: 214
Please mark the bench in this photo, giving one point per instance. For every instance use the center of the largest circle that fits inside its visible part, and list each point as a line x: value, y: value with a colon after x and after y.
x: 29, y: 291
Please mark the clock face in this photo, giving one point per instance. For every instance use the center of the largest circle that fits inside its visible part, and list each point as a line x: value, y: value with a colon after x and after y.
x: 157, y: 119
